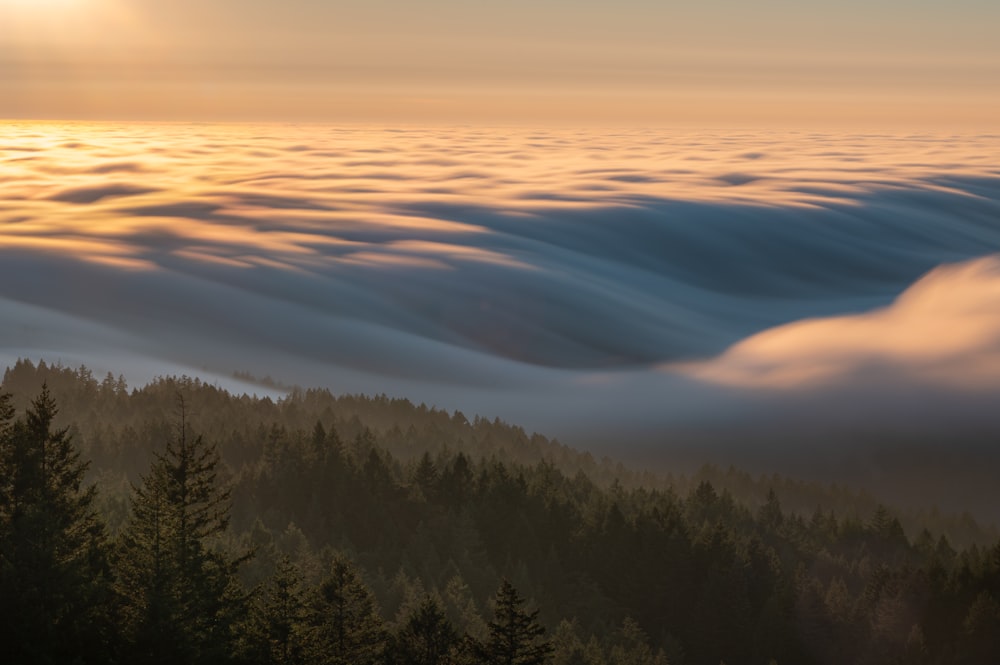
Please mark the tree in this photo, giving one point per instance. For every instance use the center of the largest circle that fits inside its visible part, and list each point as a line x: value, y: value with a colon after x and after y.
x: 569, y: 648
x: 978, y: 639
x: 275, y: 632
x: 178, y: 589
x: 427, y: 637
x: 770, y: 514
x: 345, y: 628
x: 633, y: 647
x: 515, y: 636
x: 426, y: 477
x: 54, y: 574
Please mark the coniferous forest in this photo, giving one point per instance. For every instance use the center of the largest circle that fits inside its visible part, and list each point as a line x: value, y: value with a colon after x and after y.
x: 177, y: 523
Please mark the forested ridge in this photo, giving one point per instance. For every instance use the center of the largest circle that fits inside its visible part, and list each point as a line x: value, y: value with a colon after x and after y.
x: 323, y: 529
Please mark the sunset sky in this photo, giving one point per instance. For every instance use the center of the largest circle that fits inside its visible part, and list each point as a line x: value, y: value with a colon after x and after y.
x: 914, y: 63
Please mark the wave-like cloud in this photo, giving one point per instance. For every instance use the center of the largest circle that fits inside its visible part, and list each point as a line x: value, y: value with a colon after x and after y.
x: 945, y: 330
x: 500, y: 271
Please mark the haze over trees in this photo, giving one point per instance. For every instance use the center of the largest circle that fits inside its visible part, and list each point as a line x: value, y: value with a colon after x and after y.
x: 365, y: 530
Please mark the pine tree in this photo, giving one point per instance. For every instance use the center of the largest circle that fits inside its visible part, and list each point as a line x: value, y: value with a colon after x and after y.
x: 427, y: 637
x: 978, y: 642
x: 275, y: 632
x: 633, y: 647
x: 770, y: 514
x: 425, y: 476
x: 569, y: 648
x: 515, y: 636
x: 178, y: 590
x: 345, y: 627
x: 54, y: 575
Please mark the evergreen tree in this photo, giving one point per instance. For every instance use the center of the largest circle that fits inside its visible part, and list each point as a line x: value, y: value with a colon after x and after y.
x: 980, y: 638
x: 569, y: 648
x: 633, y: 647
x: 275, y: 632
x: 515, y: 636
x: 345, y: 627
x: 770, y: 514
x: 427, y: 637
x: 177, y: 587
x: 54, y: 576
x: 425, y: 476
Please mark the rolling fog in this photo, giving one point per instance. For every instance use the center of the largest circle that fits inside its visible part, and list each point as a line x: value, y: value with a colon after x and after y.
x: 781, y: 300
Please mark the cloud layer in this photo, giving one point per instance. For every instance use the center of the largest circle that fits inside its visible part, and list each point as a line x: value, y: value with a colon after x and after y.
x: 574, y: 281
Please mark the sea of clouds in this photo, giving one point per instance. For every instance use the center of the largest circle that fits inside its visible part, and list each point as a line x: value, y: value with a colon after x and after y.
x: 605, y: 287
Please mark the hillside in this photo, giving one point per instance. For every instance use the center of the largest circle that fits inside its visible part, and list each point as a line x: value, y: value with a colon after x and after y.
x: 426, y: 509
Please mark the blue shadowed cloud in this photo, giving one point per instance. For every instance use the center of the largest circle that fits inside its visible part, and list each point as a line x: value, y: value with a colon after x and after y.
x: 587, y: 285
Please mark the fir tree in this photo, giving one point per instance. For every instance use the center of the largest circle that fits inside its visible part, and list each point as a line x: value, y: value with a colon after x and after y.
x: 633, y: 647
x: 515, y: 636
x: 426, y: 477
x: 427, y: 637
x: 275, y: 632
x: 978, y: 643
x: 345, y: 627
x: 178, y: 589
x: 54, y: 576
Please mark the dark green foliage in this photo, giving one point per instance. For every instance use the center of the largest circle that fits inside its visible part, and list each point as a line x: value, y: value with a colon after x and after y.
x: 426, y: 638
x: 428, y: 505
x: 980, y: 637
x: 515, y: 636
x: 54, y: 576
x: 179, y: 599
x: 276, y: 630
x: 344, y: 625
x: 633, y: 647
x: 569, y: 649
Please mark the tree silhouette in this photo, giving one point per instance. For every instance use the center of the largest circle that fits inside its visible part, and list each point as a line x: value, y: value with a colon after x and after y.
x: 345, y: 625
x: 427, y: 637
x: 515, y: 636
x: 275, y: 632
x: 54, y: 575
x: 178, y: 589
x: 980, y: 630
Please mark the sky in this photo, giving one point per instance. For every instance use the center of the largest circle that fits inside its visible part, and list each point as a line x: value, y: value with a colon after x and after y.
x: 881, y: 63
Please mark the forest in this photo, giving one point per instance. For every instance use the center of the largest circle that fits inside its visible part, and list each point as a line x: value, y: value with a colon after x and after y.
x: 179, y: 523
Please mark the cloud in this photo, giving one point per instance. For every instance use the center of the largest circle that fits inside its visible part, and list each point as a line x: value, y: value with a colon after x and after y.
x: 98, y: 193
x: 943, y: 330
x: 577, y: 274
x: 624, y: 292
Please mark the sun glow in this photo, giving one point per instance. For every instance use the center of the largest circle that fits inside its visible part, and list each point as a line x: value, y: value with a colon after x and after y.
x: 40, y: 5
x: 36, y: 19
x: 37, y: 6
x: 67, y: 35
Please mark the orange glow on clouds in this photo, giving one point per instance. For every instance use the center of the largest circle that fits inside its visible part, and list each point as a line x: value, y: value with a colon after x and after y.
x: 944, y: 329
x: 90, y: 188
x: 547, y: 261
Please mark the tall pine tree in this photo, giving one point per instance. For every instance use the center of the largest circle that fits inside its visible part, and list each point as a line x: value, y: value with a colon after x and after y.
x: 54, y: 575
x: 178, y: 589
x: 426, y: 638
x: 515, y: 637
x: 346, y: 628
x: 275, y: 633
